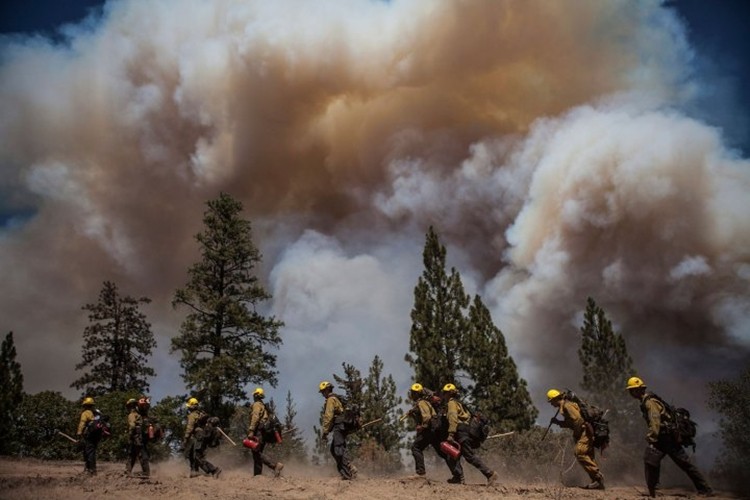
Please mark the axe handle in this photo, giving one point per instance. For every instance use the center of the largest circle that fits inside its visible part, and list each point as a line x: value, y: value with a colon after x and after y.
x: 226, y: 437
x: 67, y: 437
x: 501, y: 435
x: 367, y: 424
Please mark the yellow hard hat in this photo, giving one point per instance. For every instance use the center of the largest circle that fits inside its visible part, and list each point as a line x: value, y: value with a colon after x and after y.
x: 88, y: 400
x: 258, y: 392
x: 130, y: 402
x: 191, y: 402
x: 553, y: 394
x: 324, y: 385
x: 449, y: 388
x: 417, y: 388
x: 635, y: 383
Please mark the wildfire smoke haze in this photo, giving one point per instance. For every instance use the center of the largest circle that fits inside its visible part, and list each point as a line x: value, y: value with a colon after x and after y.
x: 547, y: 142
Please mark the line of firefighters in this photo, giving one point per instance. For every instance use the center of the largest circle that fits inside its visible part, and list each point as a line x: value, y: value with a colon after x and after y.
x: 441, y: 422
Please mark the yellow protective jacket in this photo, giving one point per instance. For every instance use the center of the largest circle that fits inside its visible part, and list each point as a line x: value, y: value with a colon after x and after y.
x: 87, y: 416
x: 654, y: 413
x: 572, y: 418
x: 192, y: 421
x: 456, y: 414
x: 135, y: 422
x: 332, y: 409
x: 424, y: 413
x: 258, y: 417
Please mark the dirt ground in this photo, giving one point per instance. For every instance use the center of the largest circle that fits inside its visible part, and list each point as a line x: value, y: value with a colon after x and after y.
x: 33, y: 479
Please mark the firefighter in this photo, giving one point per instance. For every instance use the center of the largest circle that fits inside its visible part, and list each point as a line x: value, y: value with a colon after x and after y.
x: 333, y: 423
x: 137, y: 436
x: 458, y: 434
x: 427, y: 427
x: 582, y: 436
x: 661, y: 442
x: 87, y: 438
x: 196, y: 441
x: 259, y: 418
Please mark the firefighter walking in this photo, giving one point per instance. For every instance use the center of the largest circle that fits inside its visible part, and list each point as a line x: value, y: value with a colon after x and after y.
x: 196, y: 441
x: 662, y: 442
x: 259, y: 418
x: 458, y: 434
x: 582, y: 436
x: 137, y: 438
x: 333, y: 423
x: 427, y: 427
x: 86, y: 436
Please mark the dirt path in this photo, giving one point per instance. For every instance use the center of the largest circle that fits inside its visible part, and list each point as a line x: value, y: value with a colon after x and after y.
x: 30, y: 479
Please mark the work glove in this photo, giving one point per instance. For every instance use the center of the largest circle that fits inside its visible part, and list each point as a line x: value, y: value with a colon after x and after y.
x: 419, y: 428
x: 452, y: 439
x: 554, y: 421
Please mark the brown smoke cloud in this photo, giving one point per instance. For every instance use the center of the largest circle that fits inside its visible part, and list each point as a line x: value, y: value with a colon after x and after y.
x: 542, y: 139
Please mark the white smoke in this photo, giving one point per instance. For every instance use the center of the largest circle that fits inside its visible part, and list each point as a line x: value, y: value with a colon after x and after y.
x: 544, y: 141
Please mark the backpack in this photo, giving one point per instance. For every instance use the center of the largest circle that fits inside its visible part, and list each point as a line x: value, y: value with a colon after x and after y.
x: 99, y: 428
x: 271, y: 426
x: 678, y: 423
x: 479, y: 427
x: 152, y: 431
x: 594, y: 416
x: 351, y: 418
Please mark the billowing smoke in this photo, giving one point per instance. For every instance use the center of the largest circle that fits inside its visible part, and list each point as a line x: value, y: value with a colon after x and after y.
x: 543, y: 140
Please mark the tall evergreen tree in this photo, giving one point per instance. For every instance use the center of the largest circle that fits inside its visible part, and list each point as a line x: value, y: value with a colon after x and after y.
x: 11, y: 380
x: 379, y: 400
x: 293, y: 445
x: 116, y: 345
x: 495, y: 389
x: 437, y: 318
x: 224, y: 339
x: 606, y: 364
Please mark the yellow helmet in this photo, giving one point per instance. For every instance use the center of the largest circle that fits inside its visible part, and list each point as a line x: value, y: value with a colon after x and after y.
x: 635, y: 383
x: 258, y: 393
x: 324, y: 385
x: 88, y: 400
x: 191, y: 403
x: 553, y: 394
x: 417, y: 388
x: 449, y: 388
x: 130, y: 402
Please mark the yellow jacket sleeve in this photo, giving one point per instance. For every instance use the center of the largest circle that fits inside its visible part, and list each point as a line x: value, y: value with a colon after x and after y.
x: 456, y: 414
x: 257, y: 417
x: 572, y: 418
x: 333, y: 408
x: 654, y: 412
x: 86, y: 417
x: 134, y: 421
x: 190, y: 426
x: 426, y: 412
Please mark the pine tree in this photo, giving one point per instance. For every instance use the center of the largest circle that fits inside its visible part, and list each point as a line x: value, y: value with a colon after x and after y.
x: 496, y: 390
x: 437, y: 319
x: 731, y: 399
x: 116, y: 345
x: 606, y: 365
x: 379, y: 400
x: 293, y: 445
x: 224, y: 339
x: 11, y: 381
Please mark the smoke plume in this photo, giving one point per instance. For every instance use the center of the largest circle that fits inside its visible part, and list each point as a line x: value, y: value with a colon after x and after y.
x: 545, y: 141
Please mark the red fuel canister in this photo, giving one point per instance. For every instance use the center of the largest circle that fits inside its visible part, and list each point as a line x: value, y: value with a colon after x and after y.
x: 277, y: 434
x: 251, y: 443
x: 454, y: 451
